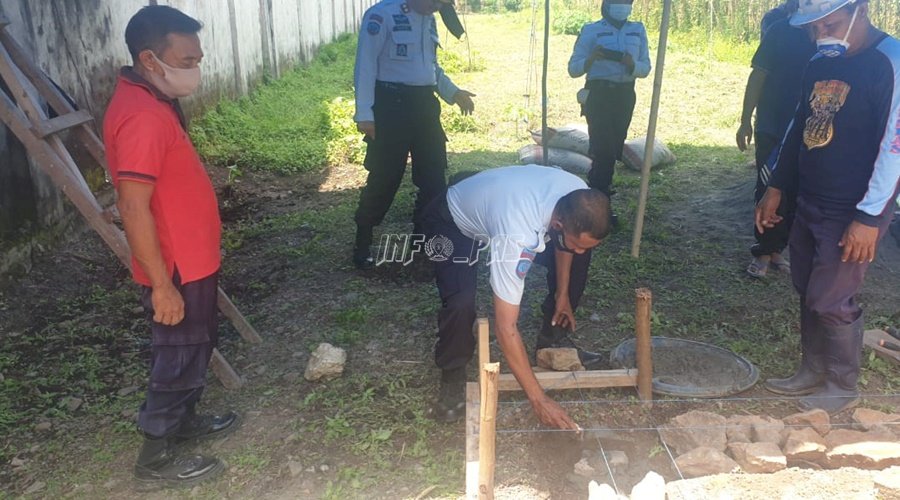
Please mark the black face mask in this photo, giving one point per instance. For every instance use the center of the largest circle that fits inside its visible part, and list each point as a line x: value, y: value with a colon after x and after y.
x: 559, y: 241
x: 451, y: 20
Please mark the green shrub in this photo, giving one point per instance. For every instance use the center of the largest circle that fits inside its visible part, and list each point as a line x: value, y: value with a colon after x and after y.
x: 345, y: 143
x: 453, y: 62
x: 570, y: 22
x: 290, y: 124
x: 513, y: 5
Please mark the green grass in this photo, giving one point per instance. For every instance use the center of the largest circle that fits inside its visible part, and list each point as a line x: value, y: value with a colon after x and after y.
x: 292, y: 124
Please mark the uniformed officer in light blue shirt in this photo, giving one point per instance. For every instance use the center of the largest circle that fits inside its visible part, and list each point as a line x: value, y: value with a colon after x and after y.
x: 395, y: 77
x: 612, y: 52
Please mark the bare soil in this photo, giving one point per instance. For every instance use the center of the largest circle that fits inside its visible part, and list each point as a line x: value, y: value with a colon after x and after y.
x: 288, y: 300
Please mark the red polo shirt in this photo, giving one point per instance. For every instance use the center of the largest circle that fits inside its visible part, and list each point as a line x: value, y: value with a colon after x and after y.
x: 146, y: 142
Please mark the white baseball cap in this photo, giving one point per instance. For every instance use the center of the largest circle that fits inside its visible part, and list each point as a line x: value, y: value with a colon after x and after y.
x: 813, y: 10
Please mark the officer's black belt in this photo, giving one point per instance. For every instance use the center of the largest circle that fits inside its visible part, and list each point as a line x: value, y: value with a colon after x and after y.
x: 607, y: 84
x: 406, y: 89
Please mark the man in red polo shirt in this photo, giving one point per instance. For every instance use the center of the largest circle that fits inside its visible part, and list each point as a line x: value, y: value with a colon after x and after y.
x: 171, y: 218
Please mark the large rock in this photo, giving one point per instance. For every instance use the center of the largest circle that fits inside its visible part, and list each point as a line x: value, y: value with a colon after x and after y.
x: 601, y: 492
x: 768, y: 430
x: 887, y: 483
x: 695, y: 429
x: 652, y: 487
x: 561, y: 359
x: 326, y: 362
x: 738, y: 427
x: 758, y: 458
x: 817, y: 419
x: 705, y: 461
x: 868, y: 420
x: 805, y: 446
x: 877, y: 449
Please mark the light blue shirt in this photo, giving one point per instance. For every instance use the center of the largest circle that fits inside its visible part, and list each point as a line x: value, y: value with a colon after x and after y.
x: 397, y: 45
x: 632, y: 38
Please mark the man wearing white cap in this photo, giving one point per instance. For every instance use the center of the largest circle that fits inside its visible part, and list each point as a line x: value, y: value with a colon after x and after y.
x: 843, y: 149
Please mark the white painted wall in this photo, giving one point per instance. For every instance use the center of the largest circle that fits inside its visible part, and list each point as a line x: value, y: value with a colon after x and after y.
x: 81, y: 45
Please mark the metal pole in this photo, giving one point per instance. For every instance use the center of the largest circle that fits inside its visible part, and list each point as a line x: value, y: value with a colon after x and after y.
x: 545, y: 152
x: 651, y: 129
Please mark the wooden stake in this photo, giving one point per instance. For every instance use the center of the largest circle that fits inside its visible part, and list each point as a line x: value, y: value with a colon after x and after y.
x: 473, y: 417
x: 484, y: 343
x: 643, y: 346
x: 487, y: 439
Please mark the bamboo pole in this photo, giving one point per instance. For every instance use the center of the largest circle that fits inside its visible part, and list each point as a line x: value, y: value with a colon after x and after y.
x: 545, y: 150
x: 651, y: 128
x: 473, y: 402
x: 643, y: 346
x: 487, y: 438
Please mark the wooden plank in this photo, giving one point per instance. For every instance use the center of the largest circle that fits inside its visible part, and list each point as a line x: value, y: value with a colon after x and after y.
x: 643, y: 345
x: 64, y: 122
x: 487, y: 438
x: 871, y: 339
x: 473, y: 420
x: 237, y: 319
x: 224, y: 372
x: 592, y: 379
x: 484, y: 342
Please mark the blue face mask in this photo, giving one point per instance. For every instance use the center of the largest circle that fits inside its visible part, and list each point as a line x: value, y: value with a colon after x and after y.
x: 619, y: 11
x: 836, y: 47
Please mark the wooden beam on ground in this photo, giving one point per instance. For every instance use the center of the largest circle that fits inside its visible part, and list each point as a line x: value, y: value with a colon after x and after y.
x: 224, y: 372
x: 643, y: 345
x: 473, y: 420
x: 591, y: 379
x: 237, y: 319
x: 872, y: 339
x: 487, y: 439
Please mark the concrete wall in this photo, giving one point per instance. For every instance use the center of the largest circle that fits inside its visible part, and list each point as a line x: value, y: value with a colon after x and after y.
x: 81, y: 45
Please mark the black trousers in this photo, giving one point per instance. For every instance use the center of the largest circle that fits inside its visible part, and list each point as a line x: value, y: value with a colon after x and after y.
x: 456, y: 277
x: 608, y: 112
x: 407, y: 123
x: 180, y: 355
x: 773, y: 240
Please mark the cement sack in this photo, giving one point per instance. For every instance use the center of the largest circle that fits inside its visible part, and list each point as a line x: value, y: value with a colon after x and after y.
x: 569, y: 161
x: 572, y: 137
x: 633, y: 154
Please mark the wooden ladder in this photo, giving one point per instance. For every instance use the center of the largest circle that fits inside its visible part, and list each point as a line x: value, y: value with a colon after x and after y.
x: 39, y: 134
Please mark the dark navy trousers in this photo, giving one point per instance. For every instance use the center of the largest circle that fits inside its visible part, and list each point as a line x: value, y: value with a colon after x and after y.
x: 456, y: 277
x: 179, y: 356
x: 827, y: 286
x: 608, y: 112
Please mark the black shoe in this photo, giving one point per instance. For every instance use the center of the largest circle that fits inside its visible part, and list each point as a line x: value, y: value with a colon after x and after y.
x: 557, y: 337
x: 363, y: 260
x: 159, y: 466
x: 198, y: 428
x: 362, y: 256
x: 451, y: 403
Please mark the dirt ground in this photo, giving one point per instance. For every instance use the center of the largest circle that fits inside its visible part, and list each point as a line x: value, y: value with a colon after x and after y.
x: 287, y: 300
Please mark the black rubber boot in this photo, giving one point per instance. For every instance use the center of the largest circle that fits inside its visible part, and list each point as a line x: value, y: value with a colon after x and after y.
x: 811, y: 374
x: 197, y: 428
x: 555, y: 337
x: 362, y: 253
x: 451, y: 402
x: 160, y: 466
x: 842, y: 363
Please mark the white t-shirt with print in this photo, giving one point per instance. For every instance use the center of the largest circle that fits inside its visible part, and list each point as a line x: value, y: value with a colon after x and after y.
x: 509, y: 209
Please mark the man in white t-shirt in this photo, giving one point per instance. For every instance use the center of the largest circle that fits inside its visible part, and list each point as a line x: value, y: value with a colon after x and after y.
x: 522, y: 215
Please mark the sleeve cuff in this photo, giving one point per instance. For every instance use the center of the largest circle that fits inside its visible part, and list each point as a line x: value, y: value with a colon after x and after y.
x: 867, y: 219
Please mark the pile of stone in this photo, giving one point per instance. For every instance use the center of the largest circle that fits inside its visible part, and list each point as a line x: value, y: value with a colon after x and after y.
x: 706, y: 444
